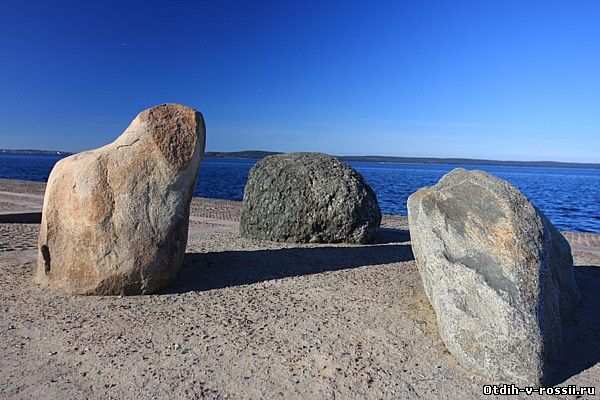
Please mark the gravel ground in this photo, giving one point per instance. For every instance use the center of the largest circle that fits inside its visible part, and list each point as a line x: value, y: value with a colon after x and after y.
x: 249, y: 319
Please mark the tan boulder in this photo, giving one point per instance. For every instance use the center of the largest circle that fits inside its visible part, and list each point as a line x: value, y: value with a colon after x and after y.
x: 115, y: 219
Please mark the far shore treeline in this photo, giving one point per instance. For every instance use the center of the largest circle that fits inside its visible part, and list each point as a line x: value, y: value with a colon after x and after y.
x: 258, y: 154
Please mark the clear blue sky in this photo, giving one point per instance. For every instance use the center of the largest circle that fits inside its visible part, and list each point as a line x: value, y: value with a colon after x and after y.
x: 484, y: 79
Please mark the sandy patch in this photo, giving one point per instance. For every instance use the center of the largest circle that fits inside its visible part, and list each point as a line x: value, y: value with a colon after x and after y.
x: 250, y: 319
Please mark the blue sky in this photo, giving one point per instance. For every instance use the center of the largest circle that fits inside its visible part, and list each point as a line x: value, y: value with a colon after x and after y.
x: 501, y: 80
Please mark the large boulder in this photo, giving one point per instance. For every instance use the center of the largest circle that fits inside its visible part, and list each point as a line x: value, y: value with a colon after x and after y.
x: 308, y: 198
x: 498, y: 274
x: 115, y: 219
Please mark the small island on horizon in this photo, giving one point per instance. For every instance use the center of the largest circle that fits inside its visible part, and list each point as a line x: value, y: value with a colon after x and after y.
x: 259, y: 154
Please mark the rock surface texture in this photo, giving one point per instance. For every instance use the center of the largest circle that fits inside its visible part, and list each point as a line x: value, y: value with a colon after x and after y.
x: 498, y: 274
x: 115, y: 219
x: 308, y: 198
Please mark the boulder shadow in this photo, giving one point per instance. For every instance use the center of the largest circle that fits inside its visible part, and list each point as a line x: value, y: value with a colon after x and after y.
x: 582, y: 331
x: 216, y: 270
x: 391, y: 235
x: 21, y: 218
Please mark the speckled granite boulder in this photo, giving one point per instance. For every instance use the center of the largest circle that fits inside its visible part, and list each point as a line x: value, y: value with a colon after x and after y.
x: 308, y: 198
x: 115, y: 219
x: 498, y: 274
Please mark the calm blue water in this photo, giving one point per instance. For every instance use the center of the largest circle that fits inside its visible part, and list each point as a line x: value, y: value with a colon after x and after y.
x: 570, y: 197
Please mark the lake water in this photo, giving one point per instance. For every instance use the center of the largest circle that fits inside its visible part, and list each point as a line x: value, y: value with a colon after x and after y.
x: 570, y: 197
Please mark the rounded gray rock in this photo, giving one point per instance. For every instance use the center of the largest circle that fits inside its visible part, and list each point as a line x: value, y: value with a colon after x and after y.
x: 308, y: 198
x: 498, y: 274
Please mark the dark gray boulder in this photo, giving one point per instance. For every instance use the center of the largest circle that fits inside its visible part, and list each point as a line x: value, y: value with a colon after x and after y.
x: 308, y: 198
x: 498, y: 274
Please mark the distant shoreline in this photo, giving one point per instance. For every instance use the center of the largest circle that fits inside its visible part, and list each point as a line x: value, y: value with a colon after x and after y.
x: 257, y: 154
x: 33, y: 152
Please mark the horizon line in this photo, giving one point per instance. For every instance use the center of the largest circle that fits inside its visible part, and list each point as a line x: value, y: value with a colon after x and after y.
x: 425, y: 158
